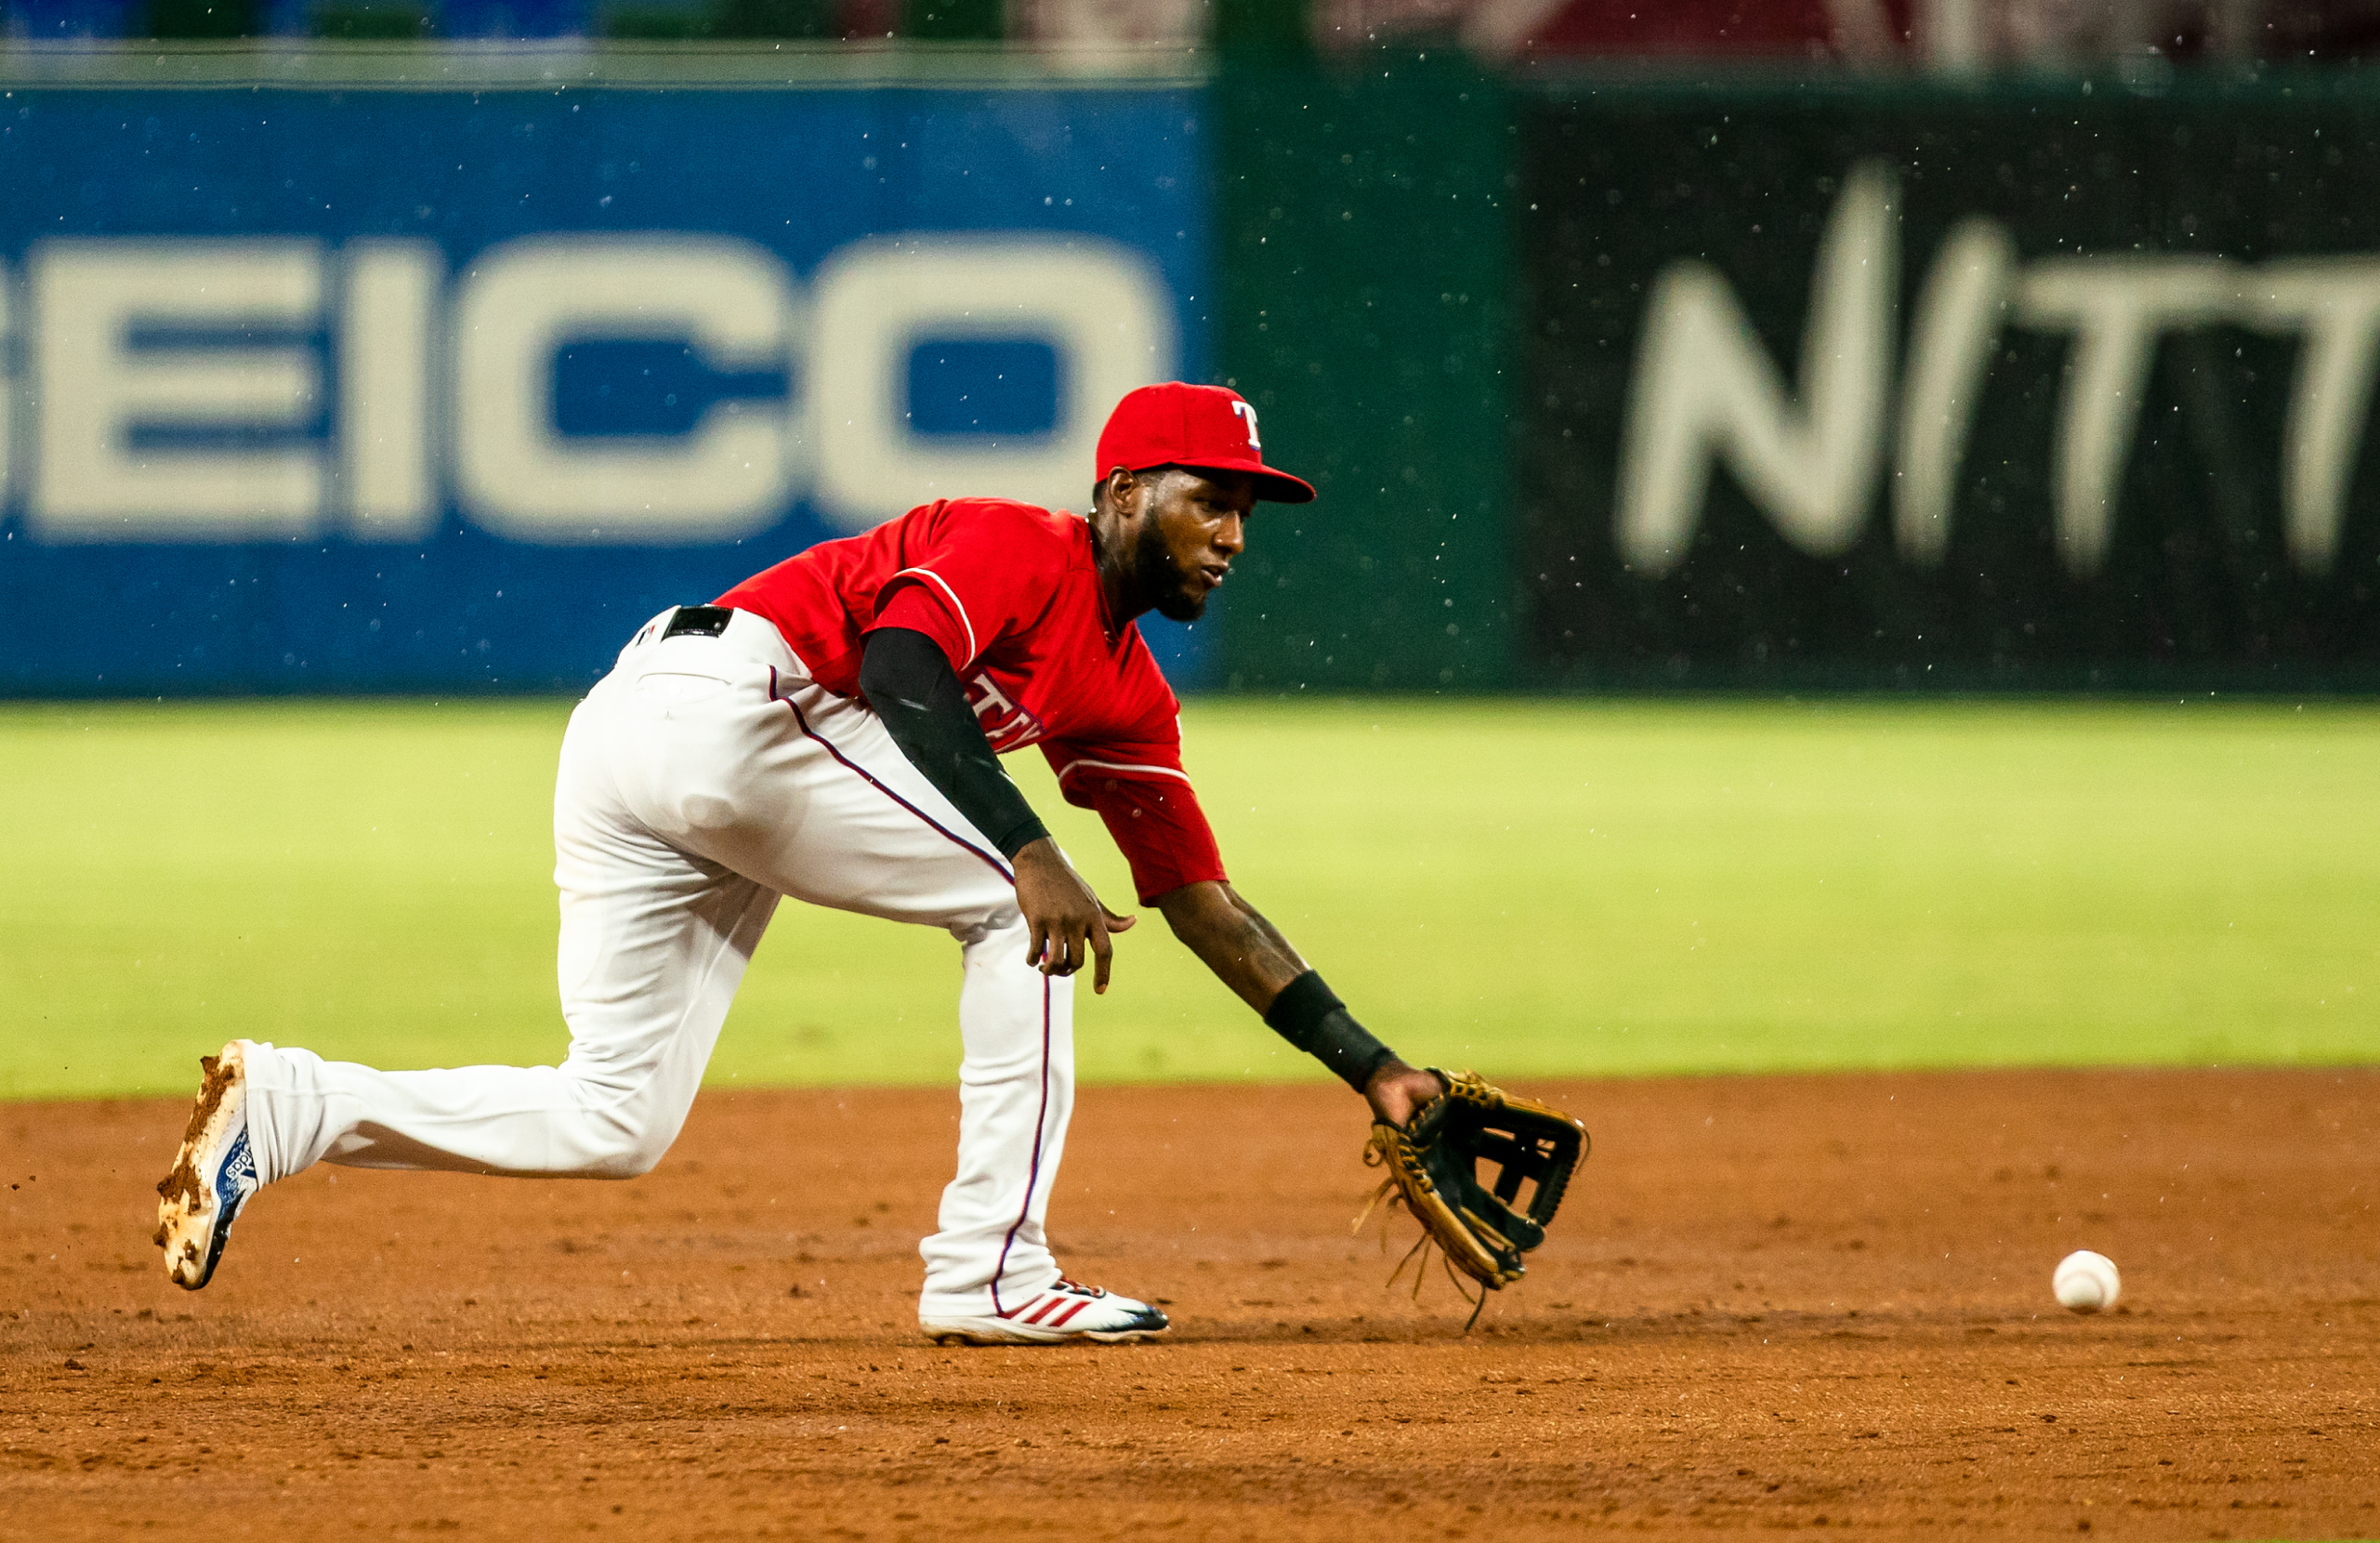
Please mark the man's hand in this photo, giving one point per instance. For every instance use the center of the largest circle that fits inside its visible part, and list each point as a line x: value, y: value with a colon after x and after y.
x: 1396, y: 1091
x: 1064, y: 916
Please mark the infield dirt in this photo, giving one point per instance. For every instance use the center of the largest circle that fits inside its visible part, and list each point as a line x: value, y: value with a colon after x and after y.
x: 1768, y: 1303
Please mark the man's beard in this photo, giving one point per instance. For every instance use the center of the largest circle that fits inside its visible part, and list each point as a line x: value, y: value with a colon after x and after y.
x: 1166, y: 586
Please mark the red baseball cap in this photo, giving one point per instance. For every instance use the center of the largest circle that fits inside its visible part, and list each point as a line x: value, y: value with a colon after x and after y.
x: 1199, y: 428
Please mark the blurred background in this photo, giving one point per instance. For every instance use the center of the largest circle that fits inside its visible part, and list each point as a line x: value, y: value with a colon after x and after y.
x: 1908, y: 446
x: 361, y: 346
x: 1934, y: 34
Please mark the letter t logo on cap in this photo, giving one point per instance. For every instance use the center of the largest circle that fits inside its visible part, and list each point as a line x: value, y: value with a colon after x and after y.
x: 1198, y: 428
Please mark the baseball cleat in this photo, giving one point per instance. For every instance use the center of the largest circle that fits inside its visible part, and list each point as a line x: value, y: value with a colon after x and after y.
x: 213, y: 1175
x: 1060, y: 1315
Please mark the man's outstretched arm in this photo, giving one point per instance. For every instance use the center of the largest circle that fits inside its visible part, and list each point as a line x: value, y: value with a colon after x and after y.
x: 1249, y: 954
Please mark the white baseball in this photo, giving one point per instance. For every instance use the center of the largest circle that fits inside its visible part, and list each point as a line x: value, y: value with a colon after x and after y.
x: 2086, y: 1281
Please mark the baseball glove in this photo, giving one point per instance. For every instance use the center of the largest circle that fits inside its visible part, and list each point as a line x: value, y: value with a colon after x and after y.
x: 1433, y: 1165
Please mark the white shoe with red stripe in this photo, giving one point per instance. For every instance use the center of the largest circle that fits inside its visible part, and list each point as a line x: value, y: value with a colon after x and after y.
x: 1061, y: 1313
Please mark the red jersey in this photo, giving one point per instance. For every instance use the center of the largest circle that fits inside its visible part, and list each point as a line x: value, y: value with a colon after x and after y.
x: 1011, y: 594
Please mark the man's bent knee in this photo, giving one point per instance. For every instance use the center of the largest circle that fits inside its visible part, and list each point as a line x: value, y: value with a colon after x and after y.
x: 631, y: 1156
x: 621, y: 1119
x: 624, y: 1142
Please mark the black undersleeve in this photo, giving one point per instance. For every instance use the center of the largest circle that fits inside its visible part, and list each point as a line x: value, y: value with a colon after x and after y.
x: 908, y: 681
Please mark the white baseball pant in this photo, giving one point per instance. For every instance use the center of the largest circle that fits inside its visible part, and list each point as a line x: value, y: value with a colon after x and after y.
x: 700, y: 780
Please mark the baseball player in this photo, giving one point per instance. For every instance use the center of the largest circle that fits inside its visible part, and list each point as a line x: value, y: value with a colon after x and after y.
x: 830, y: 729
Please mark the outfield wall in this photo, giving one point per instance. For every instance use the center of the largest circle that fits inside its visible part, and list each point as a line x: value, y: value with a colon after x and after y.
x: 2017, y: 390
x: 366, y: 381
x: 1649, y: 385
x: 408, y: 370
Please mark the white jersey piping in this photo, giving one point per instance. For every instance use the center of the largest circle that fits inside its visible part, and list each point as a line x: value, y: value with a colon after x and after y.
x: 1069, y: 768
x: 953, y: 596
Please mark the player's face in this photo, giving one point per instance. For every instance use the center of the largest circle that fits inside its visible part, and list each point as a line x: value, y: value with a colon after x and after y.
x: 1193, y: 526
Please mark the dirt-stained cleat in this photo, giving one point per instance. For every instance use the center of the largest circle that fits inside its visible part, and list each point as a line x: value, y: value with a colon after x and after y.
x: 1061, y: 1313
x: 213, y: 1175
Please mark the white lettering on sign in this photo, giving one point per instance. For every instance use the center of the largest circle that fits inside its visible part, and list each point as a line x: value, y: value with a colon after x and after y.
x: 2334, y: 303
x: 96, y: 390
x: 1100, y: 305
x: 1704, y: 388
x: 388, y: 468
x: 8, y: 391
x: 174, y: 390
x: 1960, y: 312
x: 522, y: 301
x: 2115, y: 306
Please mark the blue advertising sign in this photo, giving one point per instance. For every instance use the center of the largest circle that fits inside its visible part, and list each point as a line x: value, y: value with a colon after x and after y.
x: 388, y: 390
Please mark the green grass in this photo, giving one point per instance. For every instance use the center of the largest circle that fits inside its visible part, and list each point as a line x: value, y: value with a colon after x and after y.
x: 1531, y: 888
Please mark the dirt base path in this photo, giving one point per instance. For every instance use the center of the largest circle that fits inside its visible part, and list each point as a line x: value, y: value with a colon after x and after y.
x: 1794, y: 1302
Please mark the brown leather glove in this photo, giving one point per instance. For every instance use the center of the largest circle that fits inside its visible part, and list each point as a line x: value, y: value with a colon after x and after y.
x: 1433, y: 1165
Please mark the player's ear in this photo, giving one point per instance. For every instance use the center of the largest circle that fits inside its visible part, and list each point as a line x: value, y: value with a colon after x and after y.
x: 1118, y: 487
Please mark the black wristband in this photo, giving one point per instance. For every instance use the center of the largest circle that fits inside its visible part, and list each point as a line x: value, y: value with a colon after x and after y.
x: 1310, y: 1015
